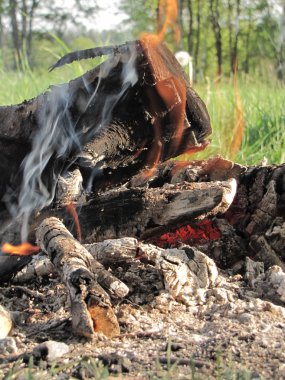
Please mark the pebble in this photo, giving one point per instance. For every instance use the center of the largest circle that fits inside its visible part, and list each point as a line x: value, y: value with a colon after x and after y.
x: 50, y: 350
x: 8, y: 346
x: 245, y: 318
x: 5, y: 322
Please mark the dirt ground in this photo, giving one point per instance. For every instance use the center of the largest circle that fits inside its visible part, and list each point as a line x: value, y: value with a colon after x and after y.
x: 231, y: 331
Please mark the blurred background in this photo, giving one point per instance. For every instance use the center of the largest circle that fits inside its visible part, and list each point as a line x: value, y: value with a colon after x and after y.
x: 236, y: 58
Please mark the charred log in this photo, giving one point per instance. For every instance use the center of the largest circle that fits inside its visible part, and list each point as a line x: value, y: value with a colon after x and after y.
x: 90, y: 116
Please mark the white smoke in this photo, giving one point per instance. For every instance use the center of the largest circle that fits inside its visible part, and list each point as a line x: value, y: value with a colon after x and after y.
x: 59, y: 134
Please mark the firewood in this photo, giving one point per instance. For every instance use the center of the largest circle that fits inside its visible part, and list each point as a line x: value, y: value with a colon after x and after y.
x: 90, y: 304
x: 145, y: 212
x: 39, y: 266
x: 184, y: 270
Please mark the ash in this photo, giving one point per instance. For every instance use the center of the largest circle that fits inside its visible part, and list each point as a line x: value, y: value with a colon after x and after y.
x: 180, y: 310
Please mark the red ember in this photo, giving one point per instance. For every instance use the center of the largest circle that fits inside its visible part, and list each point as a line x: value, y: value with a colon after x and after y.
x: 195, y: 234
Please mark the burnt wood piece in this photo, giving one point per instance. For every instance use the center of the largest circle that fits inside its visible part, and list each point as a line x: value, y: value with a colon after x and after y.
x: 254, y: 224
x: 90, y: 305
x: 105, y: 120
x: 147, y: 212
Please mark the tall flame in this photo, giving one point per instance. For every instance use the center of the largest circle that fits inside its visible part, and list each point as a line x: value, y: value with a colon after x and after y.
x: 239, y: 119
x: 168, y: 12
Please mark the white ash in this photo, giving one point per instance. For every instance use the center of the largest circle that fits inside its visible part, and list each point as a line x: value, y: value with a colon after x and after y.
x: 69, y: 188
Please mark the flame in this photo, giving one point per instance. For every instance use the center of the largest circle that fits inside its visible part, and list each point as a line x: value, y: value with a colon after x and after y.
x: 24, y: 249
x: 169, y: 89
x: 192, y: 234
x: 70, y: 208
x: 239, y: 119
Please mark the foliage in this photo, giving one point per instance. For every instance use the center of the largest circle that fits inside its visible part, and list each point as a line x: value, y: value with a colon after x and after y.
x: 252, y: 33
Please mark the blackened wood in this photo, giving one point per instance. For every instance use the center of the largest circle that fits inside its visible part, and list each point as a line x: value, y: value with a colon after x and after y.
x: 149, y: 212
x: 125, y: 139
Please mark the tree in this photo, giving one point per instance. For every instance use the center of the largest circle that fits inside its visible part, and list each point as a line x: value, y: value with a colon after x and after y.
x: 215, y: 19
x: 20, y: 17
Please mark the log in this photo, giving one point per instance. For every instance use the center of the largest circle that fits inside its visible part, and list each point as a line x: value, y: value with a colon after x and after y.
x: 88, y: 123
x: 90, y: 304
x: 147, y: 212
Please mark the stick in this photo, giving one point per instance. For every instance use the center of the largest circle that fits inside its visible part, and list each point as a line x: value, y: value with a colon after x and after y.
x: 90, y: 304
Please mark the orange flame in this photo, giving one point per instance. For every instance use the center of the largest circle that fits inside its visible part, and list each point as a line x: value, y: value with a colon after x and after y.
x: 167, y: 89
x: 239, y: 119
x: 24, y: 249
x: 70, y: 208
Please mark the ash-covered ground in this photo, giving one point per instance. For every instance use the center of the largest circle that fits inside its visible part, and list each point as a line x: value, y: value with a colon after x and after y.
x: 234, y: 329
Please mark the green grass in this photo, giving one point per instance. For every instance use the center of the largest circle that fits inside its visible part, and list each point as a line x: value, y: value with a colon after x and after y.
x: 91, y: 368
x: 264, y: 119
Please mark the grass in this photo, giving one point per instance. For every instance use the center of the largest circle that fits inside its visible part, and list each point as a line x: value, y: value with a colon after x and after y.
x: 91, y: 368
x: 262, y: 104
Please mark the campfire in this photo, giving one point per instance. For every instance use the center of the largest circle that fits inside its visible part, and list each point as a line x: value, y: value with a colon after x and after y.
x: 92, y: 183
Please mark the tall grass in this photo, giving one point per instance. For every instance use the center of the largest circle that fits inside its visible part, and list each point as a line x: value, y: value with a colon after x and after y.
x: 262, y: 104
x: 264, y: 119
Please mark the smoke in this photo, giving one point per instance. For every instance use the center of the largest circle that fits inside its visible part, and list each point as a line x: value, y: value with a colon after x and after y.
x: 59, y: 135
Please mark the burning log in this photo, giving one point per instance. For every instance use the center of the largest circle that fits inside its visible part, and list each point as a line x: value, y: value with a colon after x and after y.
x: 90, y: 305
x: 88, y: 122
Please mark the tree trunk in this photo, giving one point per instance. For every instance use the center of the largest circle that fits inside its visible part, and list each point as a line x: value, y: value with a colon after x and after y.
x: 235, y: 45
x: 181, y: 23
x: 190, y: 30
x: 15, y: 33
x: 215, y: 17
x: 197, y: 46
x: 246, y: 63
x: 24, y: 15
x: 230, y: 29
x: 33, y: 7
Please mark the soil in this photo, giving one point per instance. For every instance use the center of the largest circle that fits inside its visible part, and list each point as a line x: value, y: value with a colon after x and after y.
x: 232, y: 330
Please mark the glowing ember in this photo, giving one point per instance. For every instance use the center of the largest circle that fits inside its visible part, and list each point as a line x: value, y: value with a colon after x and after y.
x: 195, y: 234
x: 72, y: 211
x: 24, y: 249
